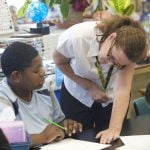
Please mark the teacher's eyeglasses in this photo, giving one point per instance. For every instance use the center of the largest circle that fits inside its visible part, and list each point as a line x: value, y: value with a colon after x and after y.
x: 112, y: 58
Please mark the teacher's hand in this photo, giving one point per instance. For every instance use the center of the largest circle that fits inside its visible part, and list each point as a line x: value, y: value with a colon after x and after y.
x: 107, y: 136
x: 97, y: 94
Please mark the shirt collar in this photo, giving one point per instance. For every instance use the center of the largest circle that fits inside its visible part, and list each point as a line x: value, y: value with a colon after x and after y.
x: 94, y: 46
x: 8, y: 90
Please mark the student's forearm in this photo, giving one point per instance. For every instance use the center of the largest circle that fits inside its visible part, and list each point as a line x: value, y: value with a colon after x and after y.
x: 67, y: 70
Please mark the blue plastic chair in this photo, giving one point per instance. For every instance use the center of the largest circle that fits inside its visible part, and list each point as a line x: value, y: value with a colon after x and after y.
x: 141, y: 107
x: 57, y: 93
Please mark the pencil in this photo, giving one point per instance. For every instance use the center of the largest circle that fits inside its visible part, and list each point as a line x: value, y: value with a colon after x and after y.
x: 54, y: 123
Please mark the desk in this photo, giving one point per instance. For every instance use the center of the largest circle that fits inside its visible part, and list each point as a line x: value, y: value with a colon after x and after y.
x: 135, y: 126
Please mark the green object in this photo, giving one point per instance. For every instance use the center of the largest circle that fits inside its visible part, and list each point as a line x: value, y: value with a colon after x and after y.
x: 64, y: 6
x: 54, y: 123
x: 141, y: 106
x: 123, y: 7
x: 23, y: 10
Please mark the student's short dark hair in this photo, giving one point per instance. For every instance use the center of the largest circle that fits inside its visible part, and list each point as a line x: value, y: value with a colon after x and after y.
x: 16, y: 57
x: 147, y: 93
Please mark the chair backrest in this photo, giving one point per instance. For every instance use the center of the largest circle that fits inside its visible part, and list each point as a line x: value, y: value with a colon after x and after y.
x: 58, y: 94
x: 141, y: 107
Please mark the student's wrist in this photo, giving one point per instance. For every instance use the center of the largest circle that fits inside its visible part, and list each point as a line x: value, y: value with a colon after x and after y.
x: 43, y: 138
x: 37, y: 139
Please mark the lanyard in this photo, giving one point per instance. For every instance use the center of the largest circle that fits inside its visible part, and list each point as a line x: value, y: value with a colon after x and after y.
x: 103, y: 80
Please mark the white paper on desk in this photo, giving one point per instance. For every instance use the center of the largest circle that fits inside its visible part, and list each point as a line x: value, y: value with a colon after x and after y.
x: 72, y: 144
x: 138, y: 142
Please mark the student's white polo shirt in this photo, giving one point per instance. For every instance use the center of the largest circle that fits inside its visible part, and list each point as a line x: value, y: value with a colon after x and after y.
x: 32, y: 113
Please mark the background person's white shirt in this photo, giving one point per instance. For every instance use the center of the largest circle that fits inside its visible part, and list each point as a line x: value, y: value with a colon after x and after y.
x: 79, y: 43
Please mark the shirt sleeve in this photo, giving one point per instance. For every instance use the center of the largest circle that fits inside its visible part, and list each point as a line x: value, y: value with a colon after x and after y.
x: 6, y: 110
x: 64, y: 45
x: 58, y: 115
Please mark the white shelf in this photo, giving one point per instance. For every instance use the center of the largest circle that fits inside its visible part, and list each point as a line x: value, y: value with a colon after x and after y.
x: 6, y: 23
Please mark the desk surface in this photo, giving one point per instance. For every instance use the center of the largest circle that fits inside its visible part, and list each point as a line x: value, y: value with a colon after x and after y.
x: 135, y: 126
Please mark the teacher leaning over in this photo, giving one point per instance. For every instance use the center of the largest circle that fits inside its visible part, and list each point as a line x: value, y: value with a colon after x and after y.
x: 98, y: 61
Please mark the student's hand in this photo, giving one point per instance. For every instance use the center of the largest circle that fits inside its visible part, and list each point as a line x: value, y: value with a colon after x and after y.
x: 52, y: 133
x: 107, y: 136
x: 72, y: 126
x: 97, y: 94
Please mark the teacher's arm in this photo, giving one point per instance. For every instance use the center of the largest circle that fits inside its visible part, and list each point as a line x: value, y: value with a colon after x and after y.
x: 63, y: 63
x: 122, y: 89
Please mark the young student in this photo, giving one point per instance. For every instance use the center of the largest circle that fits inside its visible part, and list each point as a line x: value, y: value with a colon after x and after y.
x: 24, y: 73
x: 147, y: 94
x: 98, y: 61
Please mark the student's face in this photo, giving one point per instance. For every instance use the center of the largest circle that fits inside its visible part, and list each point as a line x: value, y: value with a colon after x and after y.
x: 33, y: 77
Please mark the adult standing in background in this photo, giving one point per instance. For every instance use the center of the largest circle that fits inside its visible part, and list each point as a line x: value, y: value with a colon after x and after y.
x: 98, y: 60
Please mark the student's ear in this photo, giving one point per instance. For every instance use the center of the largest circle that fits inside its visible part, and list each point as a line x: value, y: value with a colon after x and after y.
x: 15, y: 76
